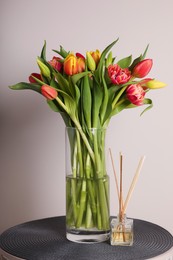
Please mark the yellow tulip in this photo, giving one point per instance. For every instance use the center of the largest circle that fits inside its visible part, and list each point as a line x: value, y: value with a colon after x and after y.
x: 154, y: 84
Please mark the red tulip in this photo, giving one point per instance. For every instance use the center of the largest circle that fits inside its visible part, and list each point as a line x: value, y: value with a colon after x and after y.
x: 71, y: 64
x: 56, y: 64
x: 49, y: 92
x: 36, y: 75
x: 142, y: 68
x: 135, y: 94
x: 117, y: 75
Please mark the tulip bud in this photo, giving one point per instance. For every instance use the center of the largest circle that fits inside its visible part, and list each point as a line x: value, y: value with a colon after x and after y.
x: 36, y: 75
x: 49, y: 92
x: 154, y: 84
x: 96, y: 56
x: 90, y: 62
x: 71, y: 64
x: 142, y: 68
x: 44, y: 69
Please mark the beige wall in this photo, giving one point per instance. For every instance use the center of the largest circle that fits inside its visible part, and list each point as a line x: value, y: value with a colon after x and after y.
x: 32, y: 157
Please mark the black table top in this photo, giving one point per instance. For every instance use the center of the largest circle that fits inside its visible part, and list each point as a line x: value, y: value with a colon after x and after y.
x: 45, y: 239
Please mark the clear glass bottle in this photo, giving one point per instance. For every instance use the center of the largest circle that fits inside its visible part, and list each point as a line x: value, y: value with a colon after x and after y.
x: 121, y: 231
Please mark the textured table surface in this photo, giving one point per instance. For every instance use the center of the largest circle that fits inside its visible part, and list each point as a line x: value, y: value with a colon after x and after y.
x: 45, y: 239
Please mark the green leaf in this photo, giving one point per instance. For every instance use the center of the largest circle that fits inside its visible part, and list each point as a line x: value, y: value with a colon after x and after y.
x: 149, y: 102
x: 77, y: 94
x: 64, y: 84
x: 78, y: 76
x: 145, y: 52
x: 43, y: 52
x: 97, y: 101
x: 66, y: 119
x: 125, y: 62
x: 53, y: 105
x: 111, y: 94
x: 24, y: 85
x: 136, y: 61
x: 70, y: 103
x: 120, y: 106
x: 54, y: 84
x: 103, y: 108
x: 63, y: 53
x: 98, y: 71
x: 86, y: 100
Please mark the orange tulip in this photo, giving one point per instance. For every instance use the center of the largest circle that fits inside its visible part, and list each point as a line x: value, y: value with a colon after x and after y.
x: 81, y: 62
x: 71, y: 64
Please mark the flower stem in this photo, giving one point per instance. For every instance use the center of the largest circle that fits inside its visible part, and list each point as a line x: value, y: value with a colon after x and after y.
x: 73, y: 118
x: 82, y: 204
x: 118, y: 96
x: 84, y: 139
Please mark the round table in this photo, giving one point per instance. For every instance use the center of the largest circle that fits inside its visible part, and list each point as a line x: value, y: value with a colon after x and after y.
x: 45, y: 239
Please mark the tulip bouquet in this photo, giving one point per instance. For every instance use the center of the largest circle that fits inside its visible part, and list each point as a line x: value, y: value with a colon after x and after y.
x: 87, y: 91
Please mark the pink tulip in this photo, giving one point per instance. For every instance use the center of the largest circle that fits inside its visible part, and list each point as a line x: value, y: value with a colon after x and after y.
x: 142, y: 68
x: 135, y: 94
x: 117, y: 75
x: 56, y: 64
x: 36, y: 75
x: 49, y: 92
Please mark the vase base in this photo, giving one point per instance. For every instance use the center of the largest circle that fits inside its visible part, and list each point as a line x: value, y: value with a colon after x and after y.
x: 88, y: 237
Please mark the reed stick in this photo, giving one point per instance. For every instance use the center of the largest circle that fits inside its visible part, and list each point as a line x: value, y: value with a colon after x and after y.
x: 115, y: 175
x: 132, y: 186
x: 121, y: 184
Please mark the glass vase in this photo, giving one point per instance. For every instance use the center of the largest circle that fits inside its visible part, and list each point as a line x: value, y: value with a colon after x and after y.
x: 87, y: 186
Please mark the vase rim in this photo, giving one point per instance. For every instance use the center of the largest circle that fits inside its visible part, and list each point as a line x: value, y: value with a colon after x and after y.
x: 90, y: 128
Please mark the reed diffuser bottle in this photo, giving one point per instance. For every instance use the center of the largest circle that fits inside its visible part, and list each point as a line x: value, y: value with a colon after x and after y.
x: 122, y: 227
x: 122, y: 231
